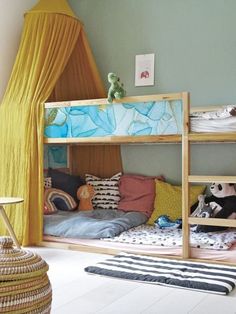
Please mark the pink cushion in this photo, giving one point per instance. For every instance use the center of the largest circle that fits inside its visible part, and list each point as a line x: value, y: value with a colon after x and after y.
x: 137, y: 193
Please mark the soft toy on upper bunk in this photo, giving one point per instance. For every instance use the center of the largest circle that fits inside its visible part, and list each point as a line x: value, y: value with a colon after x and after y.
x: 116, y: 90
x: 221, y: 204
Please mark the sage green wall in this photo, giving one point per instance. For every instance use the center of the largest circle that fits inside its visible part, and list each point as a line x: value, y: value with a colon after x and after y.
x: 194, y: 43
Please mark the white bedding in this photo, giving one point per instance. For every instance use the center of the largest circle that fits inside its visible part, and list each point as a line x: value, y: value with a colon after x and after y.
x: 223, y: 120
x: 150, y: 235
x: 221, y: 125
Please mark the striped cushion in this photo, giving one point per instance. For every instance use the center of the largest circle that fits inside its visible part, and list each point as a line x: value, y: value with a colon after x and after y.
x: 106, y: 190
x: 55, y: 199
x: 213, y: 278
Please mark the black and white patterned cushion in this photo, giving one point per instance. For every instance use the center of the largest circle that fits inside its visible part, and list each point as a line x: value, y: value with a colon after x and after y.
x: 106, y: 190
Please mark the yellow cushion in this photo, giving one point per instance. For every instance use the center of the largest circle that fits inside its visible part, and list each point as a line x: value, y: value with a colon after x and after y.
x: 168, y: 200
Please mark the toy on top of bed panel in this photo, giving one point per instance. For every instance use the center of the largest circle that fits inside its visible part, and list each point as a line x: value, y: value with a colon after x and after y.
x: 164, y: 222
x: 85, y: 194
x: 221, y: 204
x: 116, y: 90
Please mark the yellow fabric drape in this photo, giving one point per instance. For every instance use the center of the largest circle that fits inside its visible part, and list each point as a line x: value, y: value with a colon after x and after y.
x: 53, y: 52
x: 53, y: 6
x: 47, y: 43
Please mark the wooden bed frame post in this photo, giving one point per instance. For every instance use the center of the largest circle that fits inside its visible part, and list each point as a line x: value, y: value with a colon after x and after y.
x: 185, y: 175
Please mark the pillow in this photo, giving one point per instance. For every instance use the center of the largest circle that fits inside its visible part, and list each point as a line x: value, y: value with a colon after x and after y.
x: 66, y: 182
x: 85, y: 194
x: 137, y: 193
x: 55, y: 199
x: 47, y: 183
x: 106, y: 191
x: 168, y: 200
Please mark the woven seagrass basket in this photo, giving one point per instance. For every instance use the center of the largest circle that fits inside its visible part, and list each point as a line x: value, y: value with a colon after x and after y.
x: 24, y: 284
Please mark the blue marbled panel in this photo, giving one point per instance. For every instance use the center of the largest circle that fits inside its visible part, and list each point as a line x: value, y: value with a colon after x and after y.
x: 146, y: 118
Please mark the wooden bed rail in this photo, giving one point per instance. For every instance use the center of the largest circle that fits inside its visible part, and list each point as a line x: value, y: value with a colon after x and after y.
x: 185, y: 174
x: 103, y: 101
x: 212, y: 222
x: 207, y: 179
x: 116, y: 140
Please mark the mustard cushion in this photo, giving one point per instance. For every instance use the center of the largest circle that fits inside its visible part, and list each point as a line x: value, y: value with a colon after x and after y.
x: 168, y: 200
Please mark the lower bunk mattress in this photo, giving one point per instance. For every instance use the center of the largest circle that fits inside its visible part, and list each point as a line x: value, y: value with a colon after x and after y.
x: 92, y: 224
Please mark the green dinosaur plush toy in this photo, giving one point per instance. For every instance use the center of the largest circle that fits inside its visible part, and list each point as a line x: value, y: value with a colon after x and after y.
x: 116, y: 90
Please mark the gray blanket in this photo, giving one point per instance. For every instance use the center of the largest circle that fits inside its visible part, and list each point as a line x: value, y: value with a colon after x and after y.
x: 94, y: 224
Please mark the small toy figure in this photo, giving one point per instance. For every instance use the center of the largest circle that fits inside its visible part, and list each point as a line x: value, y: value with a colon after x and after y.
x: 85, y: 194
x: 164, y: 222
x: 116, y: 90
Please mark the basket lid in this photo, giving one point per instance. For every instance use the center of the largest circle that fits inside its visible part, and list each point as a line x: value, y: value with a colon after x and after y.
x: 16, y: 264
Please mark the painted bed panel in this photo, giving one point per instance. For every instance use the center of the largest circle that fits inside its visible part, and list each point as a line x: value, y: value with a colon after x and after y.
x: 119, y: 119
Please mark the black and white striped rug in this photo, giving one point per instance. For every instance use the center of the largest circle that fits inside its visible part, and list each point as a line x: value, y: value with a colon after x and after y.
x: 213, y: 278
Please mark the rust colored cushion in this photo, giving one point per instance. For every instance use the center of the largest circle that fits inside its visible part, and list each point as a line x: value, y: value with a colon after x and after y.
x: 137, y: 193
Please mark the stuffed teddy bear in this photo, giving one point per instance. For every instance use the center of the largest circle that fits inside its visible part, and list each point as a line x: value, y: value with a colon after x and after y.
x: 116, y: 90
x: 85, y: 194
x: 221, y: 204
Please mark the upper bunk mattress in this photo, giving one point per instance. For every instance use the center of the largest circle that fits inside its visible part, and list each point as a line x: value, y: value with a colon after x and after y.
x: 69, y: 120
x: 222, y: 120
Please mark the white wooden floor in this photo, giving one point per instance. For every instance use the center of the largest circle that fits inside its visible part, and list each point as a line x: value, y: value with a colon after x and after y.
x: 76, y: 292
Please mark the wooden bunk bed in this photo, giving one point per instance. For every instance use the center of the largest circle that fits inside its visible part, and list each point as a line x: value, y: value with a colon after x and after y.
x: 183, y: 135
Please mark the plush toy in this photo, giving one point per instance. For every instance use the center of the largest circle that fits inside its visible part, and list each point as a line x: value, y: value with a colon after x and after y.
x: 116, y: 90
x: 221, y: 204
x: 85, y: 194
x: 203, y: 210
x: 164, y: 222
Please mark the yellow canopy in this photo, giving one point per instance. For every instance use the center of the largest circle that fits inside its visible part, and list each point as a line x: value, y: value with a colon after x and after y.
x: 53, y: 6
x: 54, y: 61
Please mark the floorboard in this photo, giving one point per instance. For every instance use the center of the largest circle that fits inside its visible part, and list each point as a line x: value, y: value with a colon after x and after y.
x: 75, y: 291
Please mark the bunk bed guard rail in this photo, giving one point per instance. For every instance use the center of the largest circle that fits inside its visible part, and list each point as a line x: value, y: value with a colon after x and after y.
x: 131, y: 119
